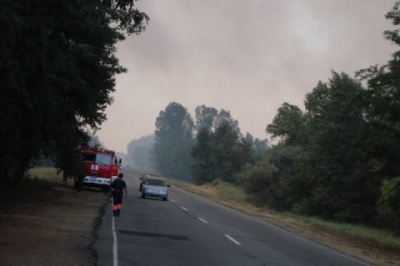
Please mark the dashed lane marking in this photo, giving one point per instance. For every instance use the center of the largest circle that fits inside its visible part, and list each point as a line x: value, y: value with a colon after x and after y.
x: 204, y: 221
x: 233, y: 240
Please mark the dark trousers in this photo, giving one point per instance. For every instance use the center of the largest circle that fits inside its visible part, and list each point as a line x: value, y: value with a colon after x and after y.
x: 117, y: 201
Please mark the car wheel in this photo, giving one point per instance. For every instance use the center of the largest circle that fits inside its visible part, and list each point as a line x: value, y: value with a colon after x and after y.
x: 164, y: 199
x: 143, y: 196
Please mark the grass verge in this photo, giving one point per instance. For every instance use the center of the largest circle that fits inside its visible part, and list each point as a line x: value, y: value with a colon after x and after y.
x: 383, y: 238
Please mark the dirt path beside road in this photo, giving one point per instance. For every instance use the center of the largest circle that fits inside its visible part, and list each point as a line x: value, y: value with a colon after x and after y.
x: 56, y: 231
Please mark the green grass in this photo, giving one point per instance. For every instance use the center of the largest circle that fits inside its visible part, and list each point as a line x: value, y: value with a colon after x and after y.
x: 384, y: 238
x: 230, y: 191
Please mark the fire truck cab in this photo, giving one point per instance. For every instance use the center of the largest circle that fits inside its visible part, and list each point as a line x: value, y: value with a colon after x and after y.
x: 101, y: 166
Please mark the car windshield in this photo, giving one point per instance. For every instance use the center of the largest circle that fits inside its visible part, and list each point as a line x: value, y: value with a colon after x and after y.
x: 155, y: 182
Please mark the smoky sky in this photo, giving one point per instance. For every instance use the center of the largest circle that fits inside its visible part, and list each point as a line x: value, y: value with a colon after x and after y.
x: 247, y: 57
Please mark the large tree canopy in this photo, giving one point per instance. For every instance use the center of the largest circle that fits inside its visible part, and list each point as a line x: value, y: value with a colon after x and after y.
x: 173, y: 142
x: 220, y: 150
x: 57, y: 71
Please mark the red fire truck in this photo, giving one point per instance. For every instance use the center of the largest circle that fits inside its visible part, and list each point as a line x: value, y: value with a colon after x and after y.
x: 101, y: 166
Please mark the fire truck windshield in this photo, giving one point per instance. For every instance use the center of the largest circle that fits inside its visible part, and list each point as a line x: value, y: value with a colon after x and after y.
x: 104, y: 159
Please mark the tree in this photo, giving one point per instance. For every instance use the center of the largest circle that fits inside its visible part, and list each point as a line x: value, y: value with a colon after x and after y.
x: 57, y: 71
x: 203, y: 168
x: 224, y: 152
x: 289, y: 124
x: 173, y: 142
x: 383, y: 116
x: 224, y: 117
x: 245, y: 150
x: 205, y: 117
x: 260, y: 147
x: 289, y: 186
x: 383, y: 110
x: 221, y: 150
x: 211, y: 118
x: 343, y: 187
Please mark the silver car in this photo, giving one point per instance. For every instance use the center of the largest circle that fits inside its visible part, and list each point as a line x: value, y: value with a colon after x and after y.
x: 155, y: 187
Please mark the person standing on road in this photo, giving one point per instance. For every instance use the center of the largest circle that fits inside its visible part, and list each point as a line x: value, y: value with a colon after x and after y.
x: 118, y: 189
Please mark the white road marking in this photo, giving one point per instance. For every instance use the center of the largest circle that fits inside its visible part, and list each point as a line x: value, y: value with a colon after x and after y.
x: 233, y: 240
x: 183, y: 208
x: 115, y: 247
x: 173, y: 201
x: 204, y: 221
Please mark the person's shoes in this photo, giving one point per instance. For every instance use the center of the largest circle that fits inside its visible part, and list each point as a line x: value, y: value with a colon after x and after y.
x: 118, y: 212
x: 115, y: 213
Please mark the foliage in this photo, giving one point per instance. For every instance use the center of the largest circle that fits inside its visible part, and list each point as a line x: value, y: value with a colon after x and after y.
x: 289, y: 125
x: 224, y: 152
x: 246, y: 150
x: 203, y: 168
x: 205, y: 117
x: 389, y: 203
x: 57, y: 71
x: 383, y: 94
x: 260, y: 148
x: 173, y: 142
x: 220, y: 149
x: 336, y: 126
x: 290, y: 186
x: 224, y: 117
x: 257, y: 180
x: 220, y: 154
x: 325, y: 163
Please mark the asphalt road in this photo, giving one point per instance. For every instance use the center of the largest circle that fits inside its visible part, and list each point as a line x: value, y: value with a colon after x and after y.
x: 190, y: 230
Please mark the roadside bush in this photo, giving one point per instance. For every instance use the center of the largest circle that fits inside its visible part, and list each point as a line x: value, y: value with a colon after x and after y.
x: 256, y: 181
x: 389, y: 204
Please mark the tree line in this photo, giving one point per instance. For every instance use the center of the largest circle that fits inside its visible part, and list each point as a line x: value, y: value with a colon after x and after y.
x: 197, y: 150
x: 339, y: 159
